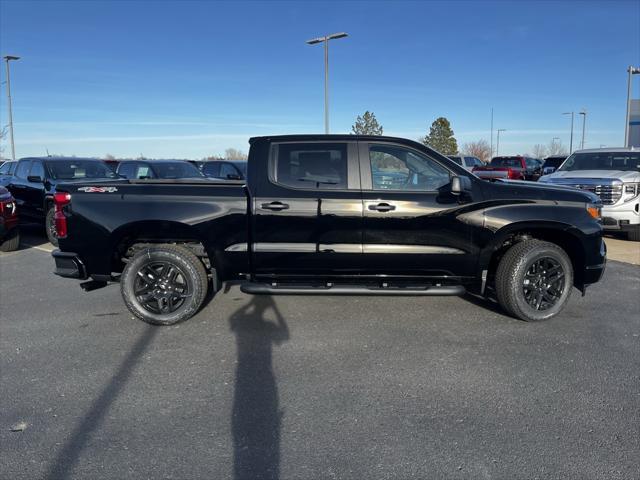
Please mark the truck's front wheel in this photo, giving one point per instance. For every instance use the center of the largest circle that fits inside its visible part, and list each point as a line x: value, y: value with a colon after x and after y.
x: 534, y: 280
x: 164, y: 284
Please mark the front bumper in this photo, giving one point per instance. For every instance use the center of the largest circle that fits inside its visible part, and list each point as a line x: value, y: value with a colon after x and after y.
x: 621, y: 217
x: 69, y: 265
x: 593, y: 273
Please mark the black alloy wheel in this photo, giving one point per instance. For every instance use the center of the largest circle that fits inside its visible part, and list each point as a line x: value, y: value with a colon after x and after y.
x: 543, y: 284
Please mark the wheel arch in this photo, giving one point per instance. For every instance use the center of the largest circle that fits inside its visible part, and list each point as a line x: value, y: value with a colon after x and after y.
x: 566, y: 236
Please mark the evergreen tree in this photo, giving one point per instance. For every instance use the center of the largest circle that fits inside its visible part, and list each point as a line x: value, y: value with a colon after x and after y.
x: 367, y: 124
x: 441, y: 137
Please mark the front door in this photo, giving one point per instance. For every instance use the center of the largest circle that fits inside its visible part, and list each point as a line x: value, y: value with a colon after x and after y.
x: 307, y: 211
x: 411, y: 218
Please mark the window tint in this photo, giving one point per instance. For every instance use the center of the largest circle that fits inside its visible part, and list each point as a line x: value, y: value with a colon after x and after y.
x: 227, y: 169
x: 23, y: 168
x: 5, y: 168
x: 127, y: 169
x: 77, y: 168
x: 314, y: 166
x: 625, y: 161
x: 471, y: 161
x: 397, y: 168
x: 143, y: 170
x: 170, y: 170
x: 37, y: 170
x: 211, y: 169
x: 506, y: 162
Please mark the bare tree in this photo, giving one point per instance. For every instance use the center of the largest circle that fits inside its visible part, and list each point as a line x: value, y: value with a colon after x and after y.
x: 556, y: 148
x: 234, y: 154
x: 539, y: 151
x: 480, y: 149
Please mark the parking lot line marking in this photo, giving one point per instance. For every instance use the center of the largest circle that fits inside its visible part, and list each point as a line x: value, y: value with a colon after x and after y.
x: 37, y: 247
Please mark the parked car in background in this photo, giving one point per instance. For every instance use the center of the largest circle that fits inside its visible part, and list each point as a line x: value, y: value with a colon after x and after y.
x: 467, y: 161
x: 225, y: 169
x: 34, y: 181
x: 157, y: 169
x: 551, y: 163
x: 9, y: 234
x: 512, y: 168
x: 6, y: 172
x: 614, y: 175
x: 316, y: 216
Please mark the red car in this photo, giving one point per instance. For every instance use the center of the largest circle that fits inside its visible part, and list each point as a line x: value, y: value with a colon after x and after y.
x: 511, y: 168
x: 9, y: 234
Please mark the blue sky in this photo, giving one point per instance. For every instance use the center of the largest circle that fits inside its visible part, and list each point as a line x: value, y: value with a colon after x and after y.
x: 189, y: 79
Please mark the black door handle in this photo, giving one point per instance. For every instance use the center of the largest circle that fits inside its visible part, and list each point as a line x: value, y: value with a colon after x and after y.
x: 275, y: 206
x: 382, y: 207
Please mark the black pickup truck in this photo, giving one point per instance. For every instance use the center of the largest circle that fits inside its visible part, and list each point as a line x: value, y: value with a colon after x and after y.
x: 331, y: 214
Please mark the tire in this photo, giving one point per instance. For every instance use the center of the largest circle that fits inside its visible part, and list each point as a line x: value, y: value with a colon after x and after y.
x: 11, y: 243
x: 634, y: 235
x: 50, y: 227
x: 524, y: 288
x: 164, y: 284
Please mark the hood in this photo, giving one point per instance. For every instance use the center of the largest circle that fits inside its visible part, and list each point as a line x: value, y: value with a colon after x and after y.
x: 537, y: 191
x: 565, y: 176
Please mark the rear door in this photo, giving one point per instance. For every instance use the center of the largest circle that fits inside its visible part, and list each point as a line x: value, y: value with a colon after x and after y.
x: 307, y: 210
x: 34, y: 191
x: 18, y: 187
x: 411, y: 219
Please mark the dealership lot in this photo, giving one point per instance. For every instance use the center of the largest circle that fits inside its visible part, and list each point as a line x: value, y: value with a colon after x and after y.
x: 316, y: 387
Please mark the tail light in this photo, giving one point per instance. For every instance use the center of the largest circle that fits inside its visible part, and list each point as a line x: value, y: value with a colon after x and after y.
x: 60, y: 200
x: 511, y: 173
x: 7, y: 208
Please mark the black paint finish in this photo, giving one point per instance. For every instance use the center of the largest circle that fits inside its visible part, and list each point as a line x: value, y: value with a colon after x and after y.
x: 273, y: 231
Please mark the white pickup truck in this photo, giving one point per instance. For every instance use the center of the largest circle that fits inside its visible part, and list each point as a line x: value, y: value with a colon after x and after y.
x: 614, y: 175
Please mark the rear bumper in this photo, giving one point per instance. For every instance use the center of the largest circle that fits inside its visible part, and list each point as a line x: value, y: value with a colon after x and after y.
x: 69, y: 265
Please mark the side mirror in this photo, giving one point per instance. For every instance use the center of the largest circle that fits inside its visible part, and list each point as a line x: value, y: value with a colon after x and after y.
x: 34, y: 179
x: 460, y: 184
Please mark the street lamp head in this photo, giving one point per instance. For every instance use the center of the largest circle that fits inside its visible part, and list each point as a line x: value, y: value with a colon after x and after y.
x: 11, y: 57
x: 634, y: 70
x: 337, y: 35
x: 567, y: 113
x: 333, y: 36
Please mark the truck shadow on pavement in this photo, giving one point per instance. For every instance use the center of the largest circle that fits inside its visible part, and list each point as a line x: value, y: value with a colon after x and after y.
x: 68, y: 457
x: 256, y: 416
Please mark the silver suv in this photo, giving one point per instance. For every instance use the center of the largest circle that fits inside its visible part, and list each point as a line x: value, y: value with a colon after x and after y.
x: 614, y: 175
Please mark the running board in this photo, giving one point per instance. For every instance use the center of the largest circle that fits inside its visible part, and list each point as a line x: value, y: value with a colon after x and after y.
x: 275, y: 289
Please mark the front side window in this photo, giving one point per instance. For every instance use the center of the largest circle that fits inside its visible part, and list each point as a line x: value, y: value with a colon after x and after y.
x: 625, y: 161
x: 23, y: 168
x: 398, y: 168
x: 471, y: 161
x: 37, y: 170
x: 211, y: 169
x: 311, y: 166
x: 227, y: 169
x: 4, y: 168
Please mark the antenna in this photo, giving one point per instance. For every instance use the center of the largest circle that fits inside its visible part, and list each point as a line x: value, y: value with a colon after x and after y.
x: 47, y: 150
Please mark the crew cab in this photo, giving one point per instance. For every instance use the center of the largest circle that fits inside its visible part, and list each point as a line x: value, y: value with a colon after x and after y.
x: 614, y: 175
x: 317, y: 215
x: 512, y: 168
x: 34, y: 181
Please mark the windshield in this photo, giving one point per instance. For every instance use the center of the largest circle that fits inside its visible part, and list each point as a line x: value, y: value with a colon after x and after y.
x: 176, y: 170
x: 625, y: 161
x: 553, y: 162
x: 506, y: 162
x: 78, y: 169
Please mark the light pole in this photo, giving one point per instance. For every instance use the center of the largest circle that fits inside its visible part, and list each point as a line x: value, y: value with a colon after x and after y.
x: 632, y: 71
x: 498, y: 141
x: 584, y: 120
x: 7, y: 59
x: 325, y: 40
x: 491, y: 154
x: 571, y: 140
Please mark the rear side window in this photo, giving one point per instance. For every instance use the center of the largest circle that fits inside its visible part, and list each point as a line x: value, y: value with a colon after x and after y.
x: 23, y: 168
x: 211, y: 169
x: 311, y: 166
x: 37, y: 170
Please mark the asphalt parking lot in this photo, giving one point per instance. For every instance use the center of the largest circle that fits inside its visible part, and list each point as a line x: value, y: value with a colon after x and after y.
x: 315, y: 387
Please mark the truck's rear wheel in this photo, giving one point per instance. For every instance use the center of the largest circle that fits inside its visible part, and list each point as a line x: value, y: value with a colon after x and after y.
x: 534, y: 280
x: 50, y: 226
x: 164, y: 284
x: 12, y: 242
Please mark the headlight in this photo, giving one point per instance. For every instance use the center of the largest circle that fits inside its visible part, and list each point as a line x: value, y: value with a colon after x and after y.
x: 594, y: 210
x: 630, y: 191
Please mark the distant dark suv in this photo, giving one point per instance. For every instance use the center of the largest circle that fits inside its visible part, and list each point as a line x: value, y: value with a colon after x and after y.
x: 34, y: 181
